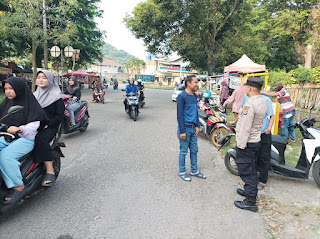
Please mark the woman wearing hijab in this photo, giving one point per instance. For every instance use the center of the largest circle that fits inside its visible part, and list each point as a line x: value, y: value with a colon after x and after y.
x: 48, y: 95
x: 25, y: 123
x: 74, y: 90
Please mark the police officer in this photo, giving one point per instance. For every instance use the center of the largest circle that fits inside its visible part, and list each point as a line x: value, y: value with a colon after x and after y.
x: 248, y: 131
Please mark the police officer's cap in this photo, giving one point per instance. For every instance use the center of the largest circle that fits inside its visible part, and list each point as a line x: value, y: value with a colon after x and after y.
x: 254, y: 82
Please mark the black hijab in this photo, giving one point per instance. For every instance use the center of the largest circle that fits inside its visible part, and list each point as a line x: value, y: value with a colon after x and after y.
x: 32, y: 110
x: 72, y: 88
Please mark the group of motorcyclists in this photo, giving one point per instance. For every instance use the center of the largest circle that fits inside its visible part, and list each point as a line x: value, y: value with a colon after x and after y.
x: 36, y: 125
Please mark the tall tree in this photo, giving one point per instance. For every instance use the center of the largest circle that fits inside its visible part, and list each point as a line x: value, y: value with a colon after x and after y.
x: 189, y: 27
x: 284, y: 27
x: 133, y: 66
x: 24, y: 18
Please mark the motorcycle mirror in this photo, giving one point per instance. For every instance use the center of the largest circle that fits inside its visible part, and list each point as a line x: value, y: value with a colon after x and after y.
x: 14, y: 109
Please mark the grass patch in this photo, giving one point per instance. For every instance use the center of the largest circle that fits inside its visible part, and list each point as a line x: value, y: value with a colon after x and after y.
x: 156, y: 86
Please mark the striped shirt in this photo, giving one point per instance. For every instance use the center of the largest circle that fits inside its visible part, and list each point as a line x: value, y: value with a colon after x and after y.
x: 285, y: 100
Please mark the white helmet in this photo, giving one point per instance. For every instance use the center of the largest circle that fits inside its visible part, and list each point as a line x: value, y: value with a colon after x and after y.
x: 139, y: 80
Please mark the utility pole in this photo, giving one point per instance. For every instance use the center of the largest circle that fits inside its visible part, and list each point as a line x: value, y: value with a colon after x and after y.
x: 45, y: 34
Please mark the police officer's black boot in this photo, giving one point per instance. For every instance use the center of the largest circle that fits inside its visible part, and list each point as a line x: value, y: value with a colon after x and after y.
x: 241, y: 192
x: 249, y: 203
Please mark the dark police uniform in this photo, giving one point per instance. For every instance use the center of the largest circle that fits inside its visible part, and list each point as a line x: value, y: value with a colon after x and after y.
x: 248, y: 131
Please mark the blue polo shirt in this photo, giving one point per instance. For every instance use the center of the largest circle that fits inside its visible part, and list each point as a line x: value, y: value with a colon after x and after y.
x: 187, y: 113
x: 270, y: 112
x: 132, y: 89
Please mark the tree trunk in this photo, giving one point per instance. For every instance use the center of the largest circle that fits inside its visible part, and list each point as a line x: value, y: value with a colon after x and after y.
x: 34, y: 64
x: 308, y: 58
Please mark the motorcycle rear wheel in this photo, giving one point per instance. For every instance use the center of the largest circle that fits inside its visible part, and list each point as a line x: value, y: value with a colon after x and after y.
x: 56, y: 163
x: 84, y: 128
x: 230, y: 163
x: 316, y: 172
x: 215, y: 136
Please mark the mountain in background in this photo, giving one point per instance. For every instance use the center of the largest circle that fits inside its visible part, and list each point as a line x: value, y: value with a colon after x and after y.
x: 112, y: 53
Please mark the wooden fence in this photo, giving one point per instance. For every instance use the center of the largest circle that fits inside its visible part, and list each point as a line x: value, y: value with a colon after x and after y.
x: 305, y: 97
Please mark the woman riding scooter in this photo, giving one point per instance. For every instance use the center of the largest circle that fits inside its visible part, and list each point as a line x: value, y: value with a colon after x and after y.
x: 48, y: 95
x: 25, y: 124
x: 74, y: 90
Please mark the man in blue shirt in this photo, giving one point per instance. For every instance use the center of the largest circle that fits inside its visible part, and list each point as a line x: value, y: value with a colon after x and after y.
x: 131, y: 88
x: 264, y: 153
x: 188, y: 128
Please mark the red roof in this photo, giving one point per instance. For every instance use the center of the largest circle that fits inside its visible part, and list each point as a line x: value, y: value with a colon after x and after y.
x: 107, y: 62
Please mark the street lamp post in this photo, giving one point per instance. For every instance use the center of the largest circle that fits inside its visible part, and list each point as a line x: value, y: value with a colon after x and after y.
x: 55, y: 51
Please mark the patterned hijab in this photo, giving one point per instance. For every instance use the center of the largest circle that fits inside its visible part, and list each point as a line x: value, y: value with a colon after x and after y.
x: 50, y: 94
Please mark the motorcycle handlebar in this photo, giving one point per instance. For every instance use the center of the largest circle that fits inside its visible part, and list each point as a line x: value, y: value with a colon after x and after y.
x: 7, y: 134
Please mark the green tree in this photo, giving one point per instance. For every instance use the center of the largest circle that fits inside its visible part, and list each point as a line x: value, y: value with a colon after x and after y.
x: 24, y: 19
x: 133, y: 66
x: 191, y: 28
x: 284, y: 28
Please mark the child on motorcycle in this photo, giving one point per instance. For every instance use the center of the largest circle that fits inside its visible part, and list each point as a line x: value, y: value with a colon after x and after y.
x: 48, y: 95
x: 74, y: 90
x: 24, y: 124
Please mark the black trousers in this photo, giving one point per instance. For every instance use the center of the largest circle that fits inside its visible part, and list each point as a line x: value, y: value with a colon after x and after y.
x: 246, y: 163
x: 42, y: 149
x: 125, y: 102
x: 263, y: 157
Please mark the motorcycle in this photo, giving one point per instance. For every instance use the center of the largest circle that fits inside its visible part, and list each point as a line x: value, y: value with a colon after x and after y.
x: 213, y: 124
x: 32, y: 173
x: 99, y: 95
x: 81, y: 116
x: 141, y: 99
x: 133, y: 104
x: 310, y: 154
x: 115, y: 86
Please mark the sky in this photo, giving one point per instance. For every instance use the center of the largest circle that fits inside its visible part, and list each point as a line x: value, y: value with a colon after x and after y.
x: 117, y: 33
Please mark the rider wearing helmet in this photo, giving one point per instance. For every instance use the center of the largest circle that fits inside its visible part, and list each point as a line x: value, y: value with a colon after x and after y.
x: 141, y: 89
x: 131, y: 88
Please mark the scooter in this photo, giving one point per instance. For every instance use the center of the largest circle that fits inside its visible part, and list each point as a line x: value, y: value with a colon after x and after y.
x: 213, y: 124
x: 115, y: 86
x: 310, y: 154
x: 99, y: 95
x: 32, y: 173
x: 81, y: 116
x: 141, y: 99
x: 133, y: 104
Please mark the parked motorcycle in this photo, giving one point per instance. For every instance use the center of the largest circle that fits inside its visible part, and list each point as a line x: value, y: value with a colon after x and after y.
x: 99, y: 95
x: 213, y: 124
x: 310, y: 154
x: 133, y: 104
x: 32, y: 173
x: 81, y: 116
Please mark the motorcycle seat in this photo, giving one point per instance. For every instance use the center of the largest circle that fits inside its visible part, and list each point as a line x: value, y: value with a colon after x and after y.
x: 277, y: 139
x: 203, y: 114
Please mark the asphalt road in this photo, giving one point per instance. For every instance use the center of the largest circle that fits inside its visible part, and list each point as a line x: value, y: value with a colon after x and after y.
x: 119, y: 180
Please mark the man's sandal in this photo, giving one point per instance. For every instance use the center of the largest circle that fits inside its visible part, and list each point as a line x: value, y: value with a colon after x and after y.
x: 185, y: 176
x: 198, y: 174
x: 49, y: 177
x: 261, y: 185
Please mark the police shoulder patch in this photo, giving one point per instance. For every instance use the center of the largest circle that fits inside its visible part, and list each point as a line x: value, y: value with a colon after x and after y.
x: 245, y: 110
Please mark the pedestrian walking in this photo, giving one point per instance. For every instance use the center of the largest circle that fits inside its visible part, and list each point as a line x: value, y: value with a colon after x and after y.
x: 188, y: 128
x: 288, y: 111
x: 248, y: 131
